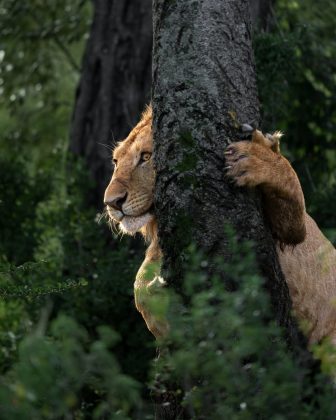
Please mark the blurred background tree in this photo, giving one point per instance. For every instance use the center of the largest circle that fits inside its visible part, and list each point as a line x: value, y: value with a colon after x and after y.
x: 55, y: 258
x: 115, y: 83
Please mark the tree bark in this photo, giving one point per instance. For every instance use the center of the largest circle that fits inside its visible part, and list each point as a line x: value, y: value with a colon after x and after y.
x: 114, y: 85
x: 204, y: 87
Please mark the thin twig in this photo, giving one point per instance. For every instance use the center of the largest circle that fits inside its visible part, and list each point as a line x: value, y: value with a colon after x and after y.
x: 67, y: 53
x: 60, y: 45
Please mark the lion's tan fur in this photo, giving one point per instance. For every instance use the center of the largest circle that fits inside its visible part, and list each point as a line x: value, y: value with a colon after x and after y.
x: 310, y: 272
x: 307, y: 258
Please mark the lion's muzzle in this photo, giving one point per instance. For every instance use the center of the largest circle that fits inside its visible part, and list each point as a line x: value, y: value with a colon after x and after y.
x: 114, y: 196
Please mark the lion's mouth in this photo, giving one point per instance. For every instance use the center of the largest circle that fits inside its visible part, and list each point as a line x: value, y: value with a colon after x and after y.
x: 132, y: 224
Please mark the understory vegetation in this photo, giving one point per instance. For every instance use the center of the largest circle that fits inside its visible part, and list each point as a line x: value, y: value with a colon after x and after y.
x: 72, y: 344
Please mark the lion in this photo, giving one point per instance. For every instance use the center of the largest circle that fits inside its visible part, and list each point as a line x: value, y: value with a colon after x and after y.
x: 307, y: 258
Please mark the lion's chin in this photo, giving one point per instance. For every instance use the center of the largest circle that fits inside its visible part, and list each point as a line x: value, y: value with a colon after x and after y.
x: 132, y: 224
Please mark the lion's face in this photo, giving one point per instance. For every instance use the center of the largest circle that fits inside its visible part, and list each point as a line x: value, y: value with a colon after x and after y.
x: 129, y: 195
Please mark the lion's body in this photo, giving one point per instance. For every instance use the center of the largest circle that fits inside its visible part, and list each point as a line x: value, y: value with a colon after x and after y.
x: 310, y: 272
x: 307, y: 258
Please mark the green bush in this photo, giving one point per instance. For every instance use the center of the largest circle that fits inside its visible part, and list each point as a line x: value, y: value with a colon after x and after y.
x: 228, y: 357
x: 224, y: 356
x: 55, y: 372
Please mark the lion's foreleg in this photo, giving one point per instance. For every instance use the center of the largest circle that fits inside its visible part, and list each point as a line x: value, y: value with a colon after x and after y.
x: 254, y: 165
x: 151, y: 297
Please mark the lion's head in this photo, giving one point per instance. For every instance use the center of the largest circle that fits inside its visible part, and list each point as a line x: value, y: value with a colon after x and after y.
x: 129, y: 195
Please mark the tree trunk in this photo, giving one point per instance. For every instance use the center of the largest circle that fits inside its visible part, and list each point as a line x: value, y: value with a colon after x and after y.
x: 114, y: 85
x: 204, y: 87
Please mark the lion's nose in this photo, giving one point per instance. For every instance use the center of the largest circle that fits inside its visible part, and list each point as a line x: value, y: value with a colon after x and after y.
x: 115, y: 201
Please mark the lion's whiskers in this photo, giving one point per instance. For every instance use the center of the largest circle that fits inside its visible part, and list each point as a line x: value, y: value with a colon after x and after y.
x: 112, y: 224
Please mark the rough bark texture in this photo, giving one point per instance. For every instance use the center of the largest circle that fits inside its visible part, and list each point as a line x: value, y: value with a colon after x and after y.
x: 114, y: 85
x: 203, y: 88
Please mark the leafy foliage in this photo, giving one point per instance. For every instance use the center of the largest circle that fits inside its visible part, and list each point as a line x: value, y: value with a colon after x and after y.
x: 228, y: 355
x: 296, y: 78
x: 54, y: 373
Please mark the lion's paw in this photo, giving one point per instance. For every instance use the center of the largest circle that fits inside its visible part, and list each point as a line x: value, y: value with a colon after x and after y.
x: 247, y: 163
x: 156, y: 285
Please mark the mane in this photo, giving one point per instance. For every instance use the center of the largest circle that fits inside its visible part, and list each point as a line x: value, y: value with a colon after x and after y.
x: 150, y: 234
x: 147, y: 113
x: 146, y: 119
x: 145, y: 123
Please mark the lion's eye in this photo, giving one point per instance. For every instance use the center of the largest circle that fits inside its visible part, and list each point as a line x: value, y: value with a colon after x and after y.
x: 145, y: 156
x: 114, y: 162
